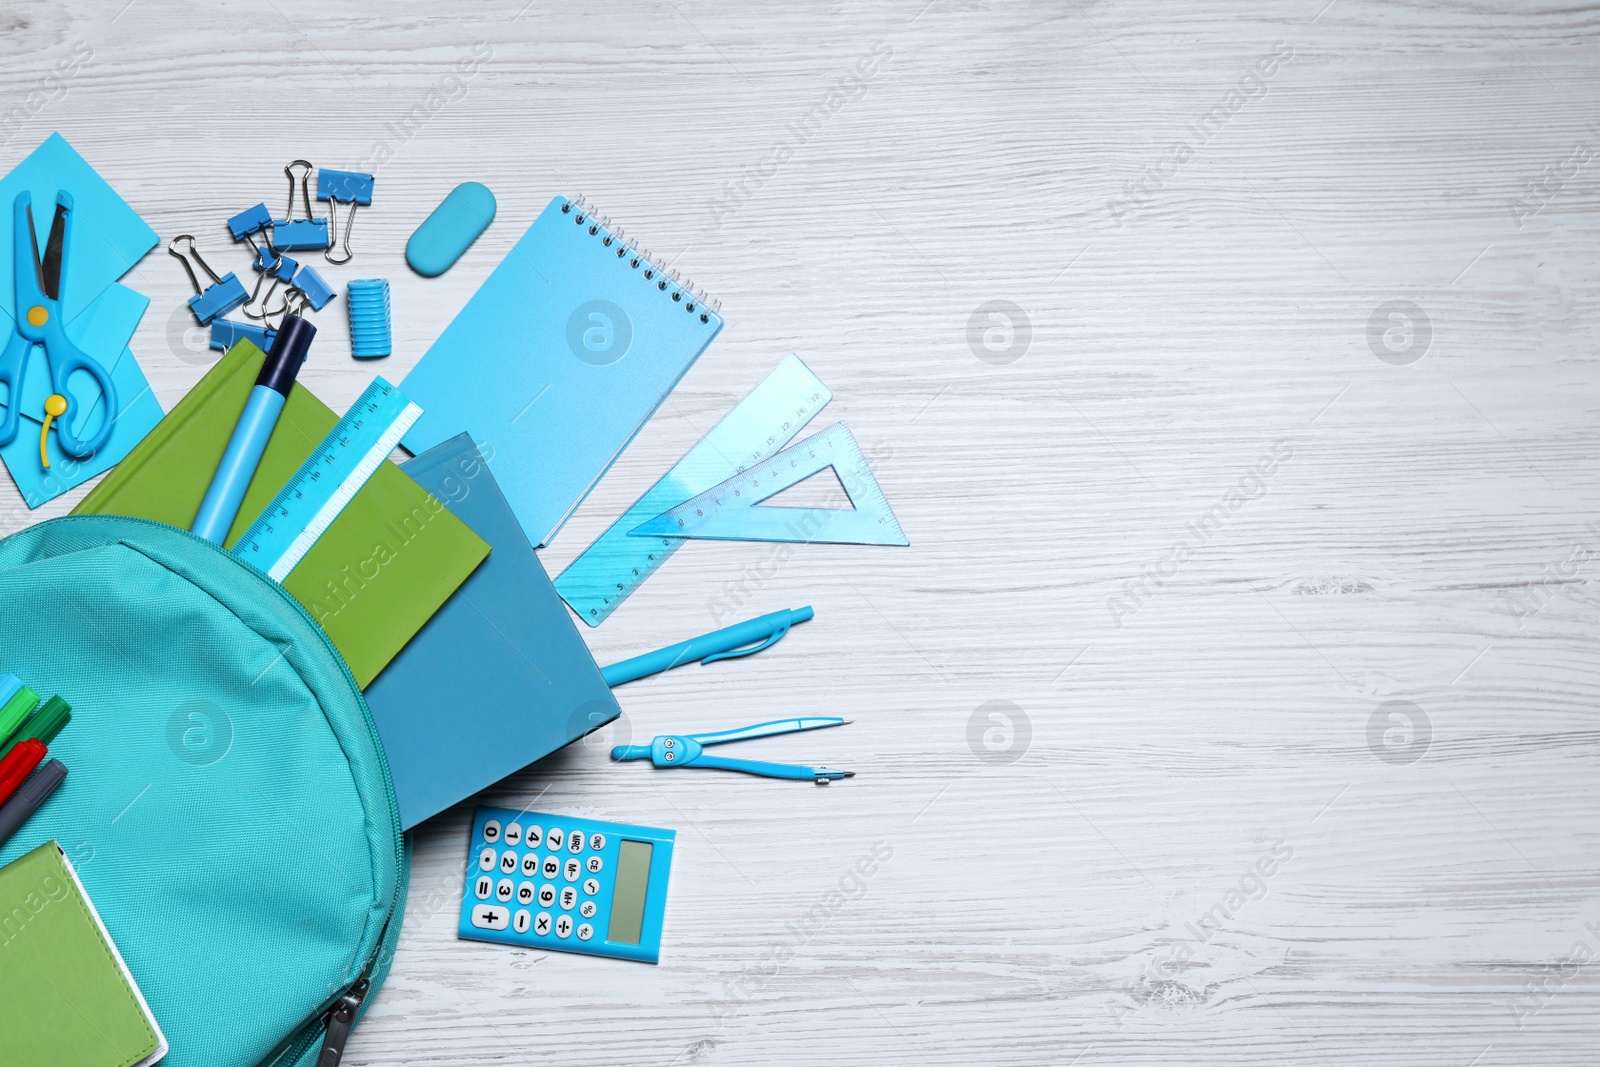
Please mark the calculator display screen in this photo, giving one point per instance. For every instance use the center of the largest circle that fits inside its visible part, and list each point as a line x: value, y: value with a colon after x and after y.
x: 627, y: 901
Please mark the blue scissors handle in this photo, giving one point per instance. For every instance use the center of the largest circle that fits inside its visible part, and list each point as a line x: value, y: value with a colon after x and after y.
x: 11, y: 364
x: 65, y: 359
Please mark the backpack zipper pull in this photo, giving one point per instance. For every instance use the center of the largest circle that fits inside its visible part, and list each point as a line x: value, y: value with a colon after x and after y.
x: 342, y: 1020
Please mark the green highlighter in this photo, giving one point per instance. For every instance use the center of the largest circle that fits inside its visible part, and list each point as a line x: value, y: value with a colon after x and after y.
x: 15, y: 710
x: 44, y: 726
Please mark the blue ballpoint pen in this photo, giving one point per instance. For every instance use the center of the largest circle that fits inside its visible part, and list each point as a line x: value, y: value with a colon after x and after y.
x: 686, y: 750
x: 762, y: 632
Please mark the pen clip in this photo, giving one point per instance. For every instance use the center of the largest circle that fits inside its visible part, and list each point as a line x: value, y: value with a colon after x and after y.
x: 777, y: 635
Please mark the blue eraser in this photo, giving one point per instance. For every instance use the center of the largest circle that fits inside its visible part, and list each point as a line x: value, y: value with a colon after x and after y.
x: 226, y: 333
x: 309, y: 282
x: 249, y: 221
x: 348, y: 186
x: 451, y: 229
x: 293, y: 235
x: 218, y: 299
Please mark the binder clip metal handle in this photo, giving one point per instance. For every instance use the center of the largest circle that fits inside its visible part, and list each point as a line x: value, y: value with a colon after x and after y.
x: 294, y: 302
x: 282, y: 269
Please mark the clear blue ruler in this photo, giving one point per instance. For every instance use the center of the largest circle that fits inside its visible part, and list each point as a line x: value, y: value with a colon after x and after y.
x: 768, y: 418
x: 328, y: 480
x: 730, y: 511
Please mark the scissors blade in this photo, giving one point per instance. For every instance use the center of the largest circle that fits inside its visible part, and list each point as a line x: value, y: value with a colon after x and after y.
x: 50, y: 265
x: 33, y: 241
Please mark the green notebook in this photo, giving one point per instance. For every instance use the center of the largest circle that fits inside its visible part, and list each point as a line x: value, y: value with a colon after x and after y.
x: 388, y: 562
x: 69, y: 999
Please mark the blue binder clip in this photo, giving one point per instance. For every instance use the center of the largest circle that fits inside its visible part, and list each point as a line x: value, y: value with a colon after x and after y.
x: 220, y: 297
x: 317, y: 291
x: 225, y: 334
x: 292, y: 234
x: 282, y: 268
x: 249, y: 222
x: 347, y: 187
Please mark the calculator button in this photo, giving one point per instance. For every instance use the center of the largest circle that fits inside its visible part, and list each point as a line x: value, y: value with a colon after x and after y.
x: 502, y: 892
x: 486, y: 859
x: 563, y: 925
x: 575, y: 842
x: 552, y: 840
x: 532, y: 835
x: 597, y: 842
x: 541, y: 923
x: 520, y: 922
x: 491, y: 831
x: 484, y: 887
x: 569, y: 897
x: 574, y: 868
x: 547, y: 895
x: 552, y: 866
x: 513, y: 834
x: 490, y: 917
x: 593, y: 864
x: 530, y: 865
x: 508, y: 861
x: 591, y: 886
x: 587, y: 909
x: 525, y: 894
x: 585, y: 931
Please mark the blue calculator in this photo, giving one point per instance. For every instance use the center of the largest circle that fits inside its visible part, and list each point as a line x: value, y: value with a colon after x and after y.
x: 577, y: 885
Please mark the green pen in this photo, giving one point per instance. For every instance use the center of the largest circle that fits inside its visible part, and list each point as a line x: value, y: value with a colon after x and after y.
x: 15, y: 710
x: 44, y: 726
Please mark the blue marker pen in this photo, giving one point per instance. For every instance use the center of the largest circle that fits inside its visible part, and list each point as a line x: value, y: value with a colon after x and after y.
x: 250, y: 435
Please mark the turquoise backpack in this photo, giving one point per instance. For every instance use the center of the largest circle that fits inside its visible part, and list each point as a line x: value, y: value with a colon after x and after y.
x: 228, y: 805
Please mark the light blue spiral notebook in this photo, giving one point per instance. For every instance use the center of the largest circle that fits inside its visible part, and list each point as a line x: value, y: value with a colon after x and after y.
x: 557, y: 361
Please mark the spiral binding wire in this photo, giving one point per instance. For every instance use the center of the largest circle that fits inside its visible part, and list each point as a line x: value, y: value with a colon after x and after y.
x: 665, y: 278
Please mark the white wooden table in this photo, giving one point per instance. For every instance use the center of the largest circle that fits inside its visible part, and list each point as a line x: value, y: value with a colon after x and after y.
x: 1236, y: 700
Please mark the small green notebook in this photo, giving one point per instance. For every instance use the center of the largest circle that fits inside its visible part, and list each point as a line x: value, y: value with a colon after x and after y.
x: 388, y: 562
x: 69, y: 999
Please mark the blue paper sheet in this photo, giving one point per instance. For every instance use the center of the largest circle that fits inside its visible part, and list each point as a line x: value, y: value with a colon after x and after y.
x: 108, y: 238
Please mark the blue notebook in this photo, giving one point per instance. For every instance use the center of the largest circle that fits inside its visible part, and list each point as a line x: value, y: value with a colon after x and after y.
x: 557, y: 361
x: 500, y: 676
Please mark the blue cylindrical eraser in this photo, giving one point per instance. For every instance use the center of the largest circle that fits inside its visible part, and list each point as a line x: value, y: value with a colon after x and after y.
x: 451, y: 229
x: 367, y: 300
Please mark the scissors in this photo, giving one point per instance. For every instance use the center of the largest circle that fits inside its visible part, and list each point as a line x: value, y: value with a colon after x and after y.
x: 39, y: 322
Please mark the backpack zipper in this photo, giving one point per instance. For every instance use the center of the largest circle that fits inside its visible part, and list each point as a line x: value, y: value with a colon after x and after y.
x: 351, y: 1000
x: 341, y: 1020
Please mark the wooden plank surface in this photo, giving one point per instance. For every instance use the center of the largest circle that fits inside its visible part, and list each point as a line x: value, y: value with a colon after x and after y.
x: 1236, y: 699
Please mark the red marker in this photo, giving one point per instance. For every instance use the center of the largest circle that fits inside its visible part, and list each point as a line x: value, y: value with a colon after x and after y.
x: 18, y: 764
